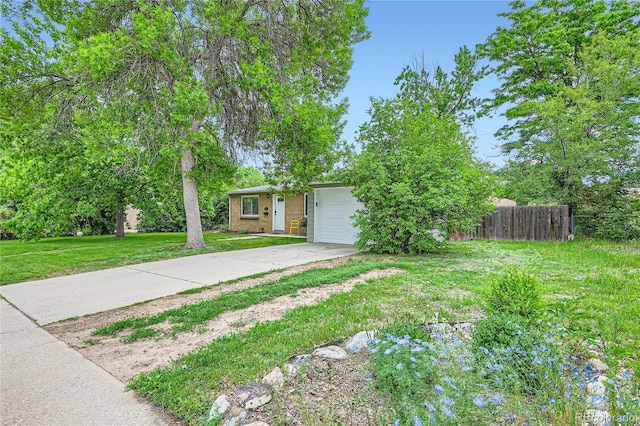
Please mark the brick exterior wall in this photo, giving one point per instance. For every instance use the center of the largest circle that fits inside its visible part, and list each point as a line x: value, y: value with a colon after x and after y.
x: 260, y: 224
x: 294, y: 210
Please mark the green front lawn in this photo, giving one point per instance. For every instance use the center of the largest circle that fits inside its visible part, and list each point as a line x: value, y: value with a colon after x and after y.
x: 49, y: 257
x: 591, y: 290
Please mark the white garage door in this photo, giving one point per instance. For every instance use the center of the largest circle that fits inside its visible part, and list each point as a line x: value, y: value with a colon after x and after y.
x: 333, y: 211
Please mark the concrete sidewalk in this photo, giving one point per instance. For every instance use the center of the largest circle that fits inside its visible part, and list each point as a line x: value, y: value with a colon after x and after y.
x: 44, y: 382
x: 55, y: 299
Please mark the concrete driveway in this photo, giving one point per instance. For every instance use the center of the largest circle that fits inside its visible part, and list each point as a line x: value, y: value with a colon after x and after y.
x: 44, y: 382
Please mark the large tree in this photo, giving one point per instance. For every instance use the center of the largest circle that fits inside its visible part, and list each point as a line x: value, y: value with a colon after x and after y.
x: 417, y: 175
x: 200, y: 80
x: 569, y: 73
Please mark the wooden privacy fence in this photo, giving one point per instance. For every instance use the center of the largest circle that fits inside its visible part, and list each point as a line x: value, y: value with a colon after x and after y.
x: 539, y: 223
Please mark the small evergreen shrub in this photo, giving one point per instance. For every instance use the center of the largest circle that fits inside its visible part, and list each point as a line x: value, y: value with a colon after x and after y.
x: 514, y: 292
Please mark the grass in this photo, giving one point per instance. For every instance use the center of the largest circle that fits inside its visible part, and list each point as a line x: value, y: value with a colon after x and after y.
x: 49, y: 257
x: 187, y: 317
x: 591, y: 289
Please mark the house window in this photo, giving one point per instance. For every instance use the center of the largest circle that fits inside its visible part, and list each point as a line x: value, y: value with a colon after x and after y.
x: 250, y: 206
x: 306, y: 203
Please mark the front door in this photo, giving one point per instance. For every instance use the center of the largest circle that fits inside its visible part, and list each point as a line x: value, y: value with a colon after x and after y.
x: 278, y: 212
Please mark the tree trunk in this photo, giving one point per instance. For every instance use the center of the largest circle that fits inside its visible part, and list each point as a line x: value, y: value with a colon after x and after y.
x: 191, y: 204
x: 120, y: 215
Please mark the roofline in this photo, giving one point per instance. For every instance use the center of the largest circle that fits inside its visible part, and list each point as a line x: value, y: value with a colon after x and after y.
x: 327, y: 185
x: 253, y: 190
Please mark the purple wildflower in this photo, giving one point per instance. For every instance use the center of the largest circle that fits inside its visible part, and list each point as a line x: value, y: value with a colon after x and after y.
x: 480, y: 402
x: 447, y: 412
x: 497, y: 398
x: 447, y: 401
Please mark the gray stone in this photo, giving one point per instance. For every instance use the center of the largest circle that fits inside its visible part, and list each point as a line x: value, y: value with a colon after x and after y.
x: 291, y: 369
x: 598, y: 365
x: 275, y: 378
x: 219, y: 407
x: 258, y: 424
x: 359, y: 341
x: 253, y: 395
x: 596, y: 388
x: 237, y: 420
x: 597, y: 401
x: 331, y: 352
x: 300, y: 359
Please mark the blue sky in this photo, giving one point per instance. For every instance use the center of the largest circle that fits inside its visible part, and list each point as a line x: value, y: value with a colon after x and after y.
x: 435, y: 30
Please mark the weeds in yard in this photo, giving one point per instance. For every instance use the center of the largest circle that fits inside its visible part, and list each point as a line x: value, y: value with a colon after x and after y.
x: 187, y: 317
x: 591, y: 291
x: 446, y: 379
x: 514, y: 291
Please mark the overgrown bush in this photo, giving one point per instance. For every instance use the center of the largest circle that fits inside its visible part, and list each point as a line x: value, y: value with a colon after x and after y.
x: 514, y: 292
x: 6, y: 213
x: 416, y: 175
x: 622, y: 224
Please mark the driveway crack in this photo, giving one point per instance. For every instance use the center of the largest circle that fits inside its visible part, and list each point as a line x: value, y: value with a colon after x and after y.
x: 165, y: 276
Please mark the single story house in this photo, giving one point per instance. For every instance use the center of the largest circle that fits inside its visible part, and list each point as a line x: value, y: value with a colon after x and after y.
x: 326, y: 210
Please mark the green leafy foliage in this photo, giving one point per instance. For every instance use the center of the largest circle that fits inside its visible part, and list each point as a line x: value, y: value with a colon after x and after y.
x: 126, y: 90
x: 416, y: 175
x: 514, y: 292
x: 6, y: 213
x: 397, y: 358
x: 494, y: 341
x: 569, y: 85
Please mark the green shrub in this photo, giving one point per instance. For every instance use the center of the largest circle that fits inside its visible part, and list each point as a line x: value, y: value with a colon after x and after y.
x: 6, y: 213
x: 514, y: 292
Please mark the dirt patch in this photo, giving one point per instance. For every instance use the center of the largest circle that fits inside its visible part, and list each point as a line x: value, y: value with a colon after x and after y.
x: 124, y: 361
x: 327, y: 392
x: 153, y: 307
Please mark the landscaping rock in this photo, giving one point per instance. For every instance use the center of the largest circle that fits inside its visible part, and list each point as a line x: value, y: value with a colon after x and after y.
x: 219, y: 407
x: 275, y: 378
x: 258, y: 424
x: 598, y: 365
x: 596, y: 388
x: 293, y: 366
x: 598, y: 401
x: 331, y: 352
x: 237, y: 420
x: 253, y: 395
x: 291, y: 369
x: 300, y: 359
x: 359, y: 341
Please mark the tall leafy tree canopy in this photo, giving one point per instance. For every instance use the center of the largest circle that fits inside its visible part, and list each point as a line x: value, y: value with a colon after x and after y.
x: 416, y: 175
x: 570, y: 88
x: 191, y: 81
